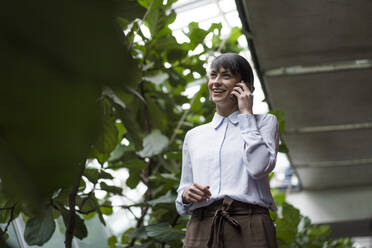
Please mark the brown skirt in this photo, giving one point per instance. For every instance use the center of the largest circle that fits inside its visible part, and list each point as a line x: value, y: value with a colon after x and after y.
x: 230, y: 224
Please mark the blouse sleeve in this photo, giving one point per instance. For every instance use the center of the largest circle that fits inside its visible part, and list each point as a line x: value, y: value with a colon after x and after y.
x: 260, y: 145
x: 186, y: 179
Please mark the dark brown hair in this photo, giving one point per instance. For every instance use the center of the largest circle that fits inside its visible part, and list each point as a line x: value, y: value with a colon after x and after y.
x: 237, y: 65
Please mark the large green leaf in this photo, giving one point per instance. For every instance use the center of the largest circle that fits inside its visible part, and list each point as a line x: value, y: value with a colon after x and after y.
x: 133, y: 179
x: 154, y: 144
x: 109, y: 135
x: 287, y: 226
x: 129, y: 9
x: 87, y: 203
x: 134, y: 131
x: 280, y: 117
x: 158, y: 19
x: 157, y: 116
x: 58, y: 56
x: 157, y: 79
x: 92, y: 174
x: 112, y: 189
x: 163, y: 232
x: 39, y: 229
x: 196, y: 35
x: 137, y: 233
x: 80, y: 229
x: 168, y: 198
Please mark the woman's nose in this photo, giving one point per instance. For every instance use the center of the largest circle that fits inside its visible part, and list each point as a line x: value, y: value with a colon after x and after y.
x: 216, y: 80
x: 216, y: 83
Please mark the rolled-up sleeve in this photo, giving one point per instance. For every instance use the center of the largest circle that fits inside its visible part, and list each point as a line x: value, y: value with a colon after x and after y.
x: 186, y: 179
x: 260, y: 144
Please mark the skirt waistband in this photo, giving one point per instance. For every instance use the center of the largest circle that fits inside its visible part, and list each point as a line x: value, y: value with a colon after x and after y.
x: 234, y: 207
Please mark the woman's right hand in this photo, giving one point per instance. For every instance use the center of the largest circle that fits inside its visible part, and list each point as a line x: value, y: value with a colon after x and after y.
x: 196, y: 193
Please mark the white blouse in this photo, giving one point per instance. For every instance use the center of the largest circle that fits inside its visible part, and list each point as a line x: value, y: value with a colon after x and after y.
x: 234, y: 156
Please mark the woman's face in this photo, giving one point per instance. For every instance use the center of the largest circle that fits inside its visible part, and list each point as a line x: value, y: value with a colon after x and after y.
x: 221, y: 83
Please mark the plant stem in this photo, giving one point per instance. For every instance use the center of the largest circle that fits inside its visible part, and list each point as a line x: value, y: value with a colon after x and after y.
x: 72, y: 203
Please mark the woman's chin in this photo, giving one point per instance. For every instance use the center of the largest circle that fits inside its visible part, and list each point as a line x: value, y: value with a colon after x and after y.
x: 222, y: 100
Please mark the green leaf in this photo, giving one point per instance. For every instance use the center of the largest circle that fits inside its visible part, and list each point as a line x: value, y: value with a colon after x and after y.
x: 287, y: 227
x: 112, y: 189
x: 145, y: 3
x: 5, y: 214
x: 176, y: 54
x: 157, y: 79
x: 89, y: 216
x: 283, y: 148
x: 87, y: 203
x: 196, y: 35
x: 154, y: 144
x: 165, y: 178
x: 136, y: 164
x: 163, y: 232
x: 92, y: 174
x: 109, y: 137
x: 108, y: 92
x: 134, y: 131
x: 101, y: 157
x: 119, y: 152
x: 39, y: 229
x: 80, y: 229
x: 112, y: 241
x: 158, y: 118
x: 168, y: 198
x: 133, y: 179
x: 106, y: 210
x: 129, y: 9
x: 235, y: 34
x: 156, y: 19
x: 281, y: 118
x: 121, y: 130
x: 279, y: 197
x: 124, y: 238
x: 138, y: 233
x: 105, y: 175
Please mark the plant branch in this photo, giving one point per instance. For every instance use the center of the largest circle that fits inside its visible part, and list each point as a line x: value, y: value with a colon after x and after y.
x: 72, y: 203
x: 181, y: 121
x: 6, y: 208
x: 142, y: 20
x: 10, y: 218
x: 148, y: 195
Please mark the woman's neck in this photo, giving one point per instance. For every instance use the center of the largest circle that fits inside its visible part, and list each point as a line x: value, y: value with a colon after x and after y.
x: 224, y: 110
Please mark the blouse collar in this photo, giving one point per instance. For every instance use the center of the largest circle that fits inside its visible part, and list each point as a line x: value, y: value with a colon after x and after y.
x: 218, y: 119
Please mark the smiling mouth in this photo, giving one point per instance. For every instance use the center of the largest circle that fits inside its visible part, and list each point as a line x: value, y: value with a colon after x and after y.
x: 218, y: 91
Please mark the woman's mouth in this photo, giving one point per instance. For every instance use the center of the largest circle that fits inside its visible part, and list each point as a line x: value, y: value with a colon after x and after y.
x: 218, y: 91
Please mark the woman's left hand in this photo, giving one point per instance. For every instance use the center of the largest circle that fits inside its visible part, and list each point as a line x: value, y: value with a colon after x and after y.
x: 244, y: 97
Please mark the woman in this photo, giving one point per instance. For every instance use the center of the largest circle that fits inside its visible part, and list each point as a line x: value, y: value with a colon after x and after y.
x: 226, y: 163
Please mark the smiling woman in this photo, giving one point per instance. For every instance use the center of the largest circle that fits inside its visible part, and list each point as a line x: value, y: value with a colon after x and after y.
x: 226, y: 163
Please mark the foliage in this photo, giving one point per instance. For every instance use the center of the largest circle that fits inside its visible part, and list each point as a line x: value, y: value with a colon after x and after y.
x: 295, y: 230
x: 78, y: 89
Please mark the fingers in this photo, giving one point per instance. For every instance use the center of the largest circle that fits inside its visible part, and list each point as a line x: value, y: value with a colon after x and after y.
x: 204, y: 189
x: 244, y: 98
x: 196, y: 193
x: 238, y: 89
x: 244, y: 86
x: 235, y: 94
